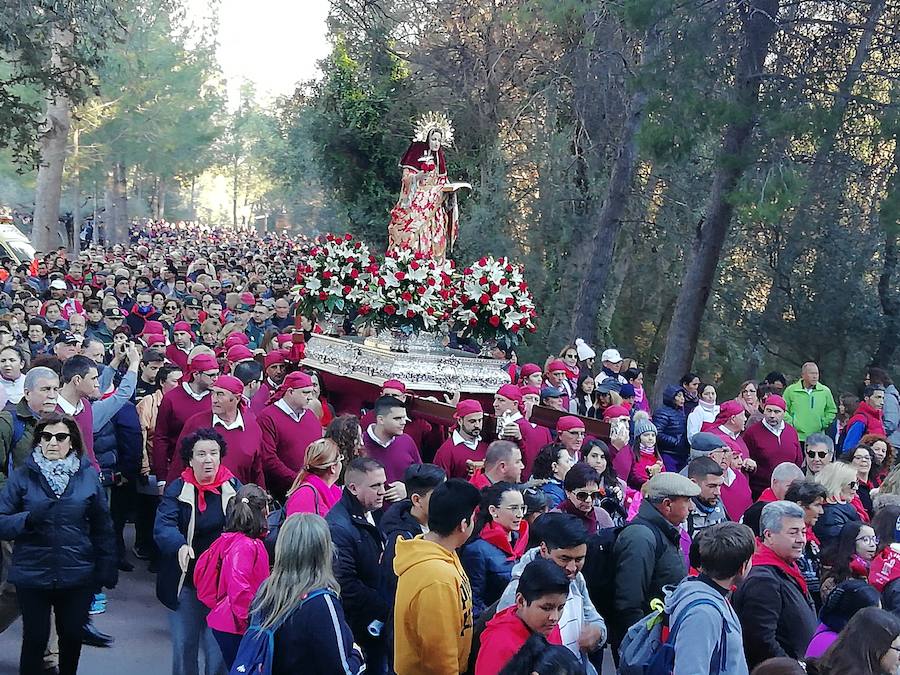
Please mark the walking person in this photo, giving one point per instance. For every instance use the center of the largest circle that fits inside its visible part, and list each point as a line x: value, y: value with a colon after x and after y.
x: 55, y: 510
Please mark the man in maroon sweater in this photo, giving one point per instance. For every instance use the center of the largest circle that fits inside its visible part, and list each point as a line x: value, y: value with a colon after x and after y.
x: 236, y: 425
x: 385, y: 441
x: 416, y: 427
x: 274, y: 366
x: 770, y: 442
x: 80, y: 385
x: 464, y: 451
x: 512, y: 426
x: 177, y: 406
x: 288, y: 427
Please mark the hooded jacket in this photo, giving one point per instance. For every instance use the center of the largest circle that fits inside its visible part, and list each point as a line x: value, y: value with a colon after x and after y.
x: 701, y: 630
x: 811, y: 411
x: 578, y: 612
x: 244, y: 566
x: 867, y: 420
x: 671, y: 425
x: 505, y: 634
x: 433, y: 610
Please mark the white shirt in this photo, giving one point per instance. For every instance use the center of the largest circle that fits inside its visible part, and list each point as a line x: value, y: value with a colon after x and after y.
x: 15, y: 389
x: 775, y: 430
x: 371, y: 432
x: 288, y: 410
x: 68, y: 408
x: 193, y: 394
x: 459, y: 440
x: 237, y: 424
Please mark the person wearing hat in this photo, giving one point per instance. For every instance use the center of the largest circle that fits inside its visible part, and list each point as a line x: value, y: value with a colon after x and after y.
x: 288, y: 427
x: 586, y: 356
x: 571, y: 433
x: 647, y: 460
x: 463, y: 452
x: 417, y: 428
x: 228, y: 417
x: 619, y: 435
x: 121, y: 290
x: 770, y: 442
x: 190, y: 312
x: 531, y: 374
x: 729, y: 425
x: 648, y: 553
x: 708, y: 507
x: 65, y: 346
x: 237, y: 354
x: 182, y: 402
x: 274, y: 369
x: 141, y: 312
x: 671, y: 423
x: 512, y: 426
x: 182, y: 343
x: 112, y: 319
x: 611, y: 361
x: 553, y: 398
x: 557, y: 377
x: 735, y: 492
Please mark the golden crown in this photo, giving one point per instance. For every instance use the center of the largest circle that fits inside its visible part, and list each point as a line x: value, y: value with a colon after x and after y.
x: 431, y: 121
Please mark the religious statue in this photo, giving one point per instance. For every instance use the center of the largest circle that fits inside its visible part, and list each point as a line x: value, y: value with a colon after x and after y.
x: 425, y: 217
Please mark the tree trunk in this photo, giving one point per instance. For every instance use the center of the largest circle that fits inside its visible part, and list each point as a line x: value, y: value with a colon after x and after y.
x: 759, y: 24
x: 596, y: 256
x: 55, y: 136
x: 117, y: 205
x: 74, y: 245
x: 161, y: 199
x: 193, y: 198
x: 234, y: 193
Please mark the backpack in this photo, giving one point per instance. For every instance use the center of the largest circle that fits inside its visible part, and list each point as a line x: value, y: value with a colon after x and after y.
x: 599, y: 569
x: 648, y: 647
x: 207, y: 571
x: 256, y: 653
x: 18, y: 431
x: 276, y: 520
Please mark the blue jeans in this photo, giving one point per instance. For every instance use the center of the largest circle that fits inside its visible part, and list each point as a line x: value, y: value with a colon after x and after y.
x: 189, y: 632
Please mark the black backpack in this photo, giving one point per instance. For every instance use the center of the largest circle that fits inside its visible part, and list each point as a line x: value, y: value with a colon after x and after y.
x: 599, y: 569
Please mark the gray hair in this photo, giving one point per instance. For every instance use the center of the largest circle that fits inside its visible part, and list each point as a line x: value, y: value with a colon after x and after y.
x: 819, y: 438
x: 38, y: 373
x: 787, y: 472
x: 774, y: 513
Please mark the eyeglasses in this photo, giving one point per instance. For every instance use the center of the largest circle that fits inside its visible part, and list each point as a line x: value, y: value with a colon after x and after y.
x: 516, y: 508
x: 46, y: 436
x: 868, y: 539
x: 821, y: 454
x: 584, y: 495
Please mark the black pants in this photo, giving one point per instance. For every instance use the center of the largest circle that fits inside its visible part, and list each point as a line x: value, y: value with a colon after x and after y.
x: 122, y: 502
x: 70, y: 608
x: 144, y: 516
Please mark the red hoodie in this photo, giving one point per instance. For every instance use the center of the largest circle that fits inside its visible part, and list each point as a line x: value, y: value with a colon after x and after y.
x: 503, y: 636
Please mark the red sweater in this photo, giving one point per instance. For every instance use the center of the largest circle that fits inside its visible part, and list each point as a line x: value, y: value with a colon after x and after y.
x: 284, y: 444
x: 451, y: 457
x: 396, y: 457
x: 174, y: 410
x: 177, y: 356
x: 769, y: 450
x: 243, y: 456
x: 261, y: 398
x: 416, y: 428
x: 85, y: 422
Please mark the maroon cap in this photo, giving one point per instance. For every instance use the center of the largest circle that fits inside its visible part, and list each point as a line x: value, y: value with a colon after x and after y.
x: 467, y: 407
x: 229, y: 383
x: 568, y: 423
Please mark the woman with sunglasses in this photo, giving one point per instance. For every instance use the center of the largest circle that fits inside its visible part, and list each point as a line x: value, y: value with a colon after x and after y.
x: 615, y: 494
x: 499, y: 539
x: 582, y: 486
x: 56, y: 512
x: 840, y: 483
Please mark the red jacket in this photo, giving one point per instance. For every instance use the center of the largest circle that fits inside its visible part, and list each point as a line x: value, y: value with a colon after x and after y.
x: 503, y: 636
x: 245, y: 565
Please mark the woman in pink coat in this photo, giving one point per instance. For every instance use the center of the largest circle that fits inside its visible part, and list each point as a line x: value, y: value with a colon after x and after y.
x: 243, y: 564
x: 314, y: 490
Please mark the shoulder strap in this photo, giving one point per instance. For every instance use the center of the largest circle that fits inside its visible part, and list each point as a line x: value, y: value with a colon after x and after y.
x: 720, y: 653
x: 315, y: 496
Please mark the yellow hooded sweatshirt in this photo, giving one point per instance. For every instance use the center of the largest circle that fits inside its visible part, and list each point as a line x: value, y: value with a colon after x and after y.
x: 433, y: 610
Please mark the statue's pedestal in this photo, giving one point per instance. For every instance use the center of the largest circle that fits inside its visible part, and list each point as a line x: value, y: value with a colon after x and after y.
x: 431, y: 370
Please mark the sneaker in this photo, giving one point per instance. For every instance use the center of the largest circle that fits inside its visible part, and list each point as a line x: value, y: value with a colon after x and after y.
x: 97, y: 607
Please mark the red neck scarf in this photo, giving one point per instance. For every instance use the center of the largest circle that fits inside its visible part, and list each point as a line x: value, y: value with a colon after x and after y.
x: 811, y: 536
x: 222, y: 475
x: 767, y: 557
x: 495, y: 534
x: 767, y: 496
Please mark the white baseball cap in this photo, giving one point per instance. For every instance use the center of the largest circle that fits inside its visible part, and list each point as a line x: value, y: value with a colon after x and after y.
x: 58, y: 284
x: 611, y: 355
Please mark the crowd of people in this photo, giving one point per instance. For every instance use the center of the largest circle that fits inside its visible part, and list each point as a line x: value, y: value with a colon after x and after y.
x: 163, y: 384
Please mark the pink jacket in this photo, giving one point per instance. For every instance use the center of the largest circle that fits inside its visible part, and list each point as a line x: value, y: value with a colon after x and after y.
x: 313, y: 496
x: 245, y: 565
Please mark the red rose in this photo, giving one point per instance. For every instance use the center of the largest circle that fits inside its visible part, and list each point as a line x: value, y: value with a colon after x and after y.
x: 467, y: 270
x: 523, y: 286
x: 533, y: 329
x: 482, y: 262
x: 429, y: 311
x: 347, y: 290
x: 326, y: 275
x: 380, y: 281
x: 483, y: 280
x: 323, y: 295
x: 504, y: 281
x: 515, y: 328
x: 348, y: 237
x: 364, y: 309
x: 473, y: 322
x: 406, y: 297
x: 484, y: 299
x: 431, y: 281
x: 444, y: 293
x: 413, y: 265
x: 421, y: 290
x: 357, y: 245
x: 510, y: 302
x: 410, y: 314
x: 494, y: 321
x: 495, y: 288
x: 390, y: 310
x: 399, y: 276
x: 509, y: 268
x: 354, y: 274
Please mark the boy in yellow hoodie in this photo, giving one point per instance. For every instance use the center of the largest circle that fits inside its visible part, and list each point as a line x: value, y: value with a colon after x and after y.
x: 433, y: 608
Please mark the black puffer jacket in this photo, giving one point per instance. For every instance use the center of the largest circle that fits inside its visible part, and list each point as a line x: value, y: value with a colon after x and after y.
x: 118, y: 444
x: 834, y: 517
x: 396, y: 523
x: 671, y: 425
x: 73, y: 545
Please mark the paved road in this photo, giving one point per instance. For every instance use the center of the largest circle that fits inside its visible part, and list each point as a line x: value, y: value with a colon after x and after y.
x: 134, y: 617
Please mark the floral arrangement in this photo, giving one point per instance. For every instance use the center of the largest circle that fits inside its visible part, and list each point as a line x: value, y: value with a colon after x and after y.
x: 409, y: 291
x: 335, y: 276
x: 494, y: 302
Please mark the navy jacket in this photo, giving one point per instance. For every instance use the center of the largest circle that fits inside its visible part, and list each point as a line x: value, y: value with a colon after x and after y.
x: 316, y: 639
x: 118, y: 444
x: 358, y: 567
x: 671, y: 425
x: 489, y: 571
x: 73, y: 545
x: 178, y: 516
x: 833, y: 518
x: 396, y: 523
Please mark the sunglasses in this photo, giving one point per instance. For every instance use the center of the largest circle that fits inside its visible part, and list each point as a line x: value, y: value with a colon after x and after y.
x: 584, y: 495
x: 853, y: 484
x: 813, y: 454
x: 46, y: 436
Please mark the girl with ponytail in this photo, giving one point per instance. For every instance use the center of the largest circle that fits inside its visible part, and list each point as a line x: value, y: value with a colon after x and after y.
x: 314, y: 489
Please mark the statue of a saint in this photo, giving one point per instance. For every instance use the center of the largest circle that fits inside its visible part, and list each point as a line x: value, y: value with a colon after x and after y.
x: 425, y: 217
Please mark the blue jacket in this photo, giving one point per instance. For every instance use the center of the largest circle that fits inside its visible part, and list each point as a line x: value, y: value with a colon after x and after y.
x: 671, y: 425
x: 489, y: 571
x: 179, y: 522
x: 833, y: 518
x: 316, y: 639
x: 553, y: 488
x: 118, y: 445
x: 358, y: 569
x: 73, y: 546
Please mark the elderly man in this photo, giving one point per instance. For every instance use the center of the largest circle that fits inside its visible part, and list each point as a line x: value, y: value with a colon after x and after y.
x: 819, y: 451
x: 238, y: 427
x: 770, y: 442
x: 809, y: 403
x: 463, y: 451
x: 648, y: 551
x: 611, y: 360
x: 288, y: 427
x: 512, y: 426
x: 571, y: 433
x: 728, y: 425
x: 782, y: 476
x: 773, y: 603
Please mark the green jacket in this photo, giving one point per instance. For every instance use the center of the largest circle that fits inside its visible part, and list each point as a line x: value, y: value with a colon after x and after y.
x: 23, y: 448
x: 811, y: 412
